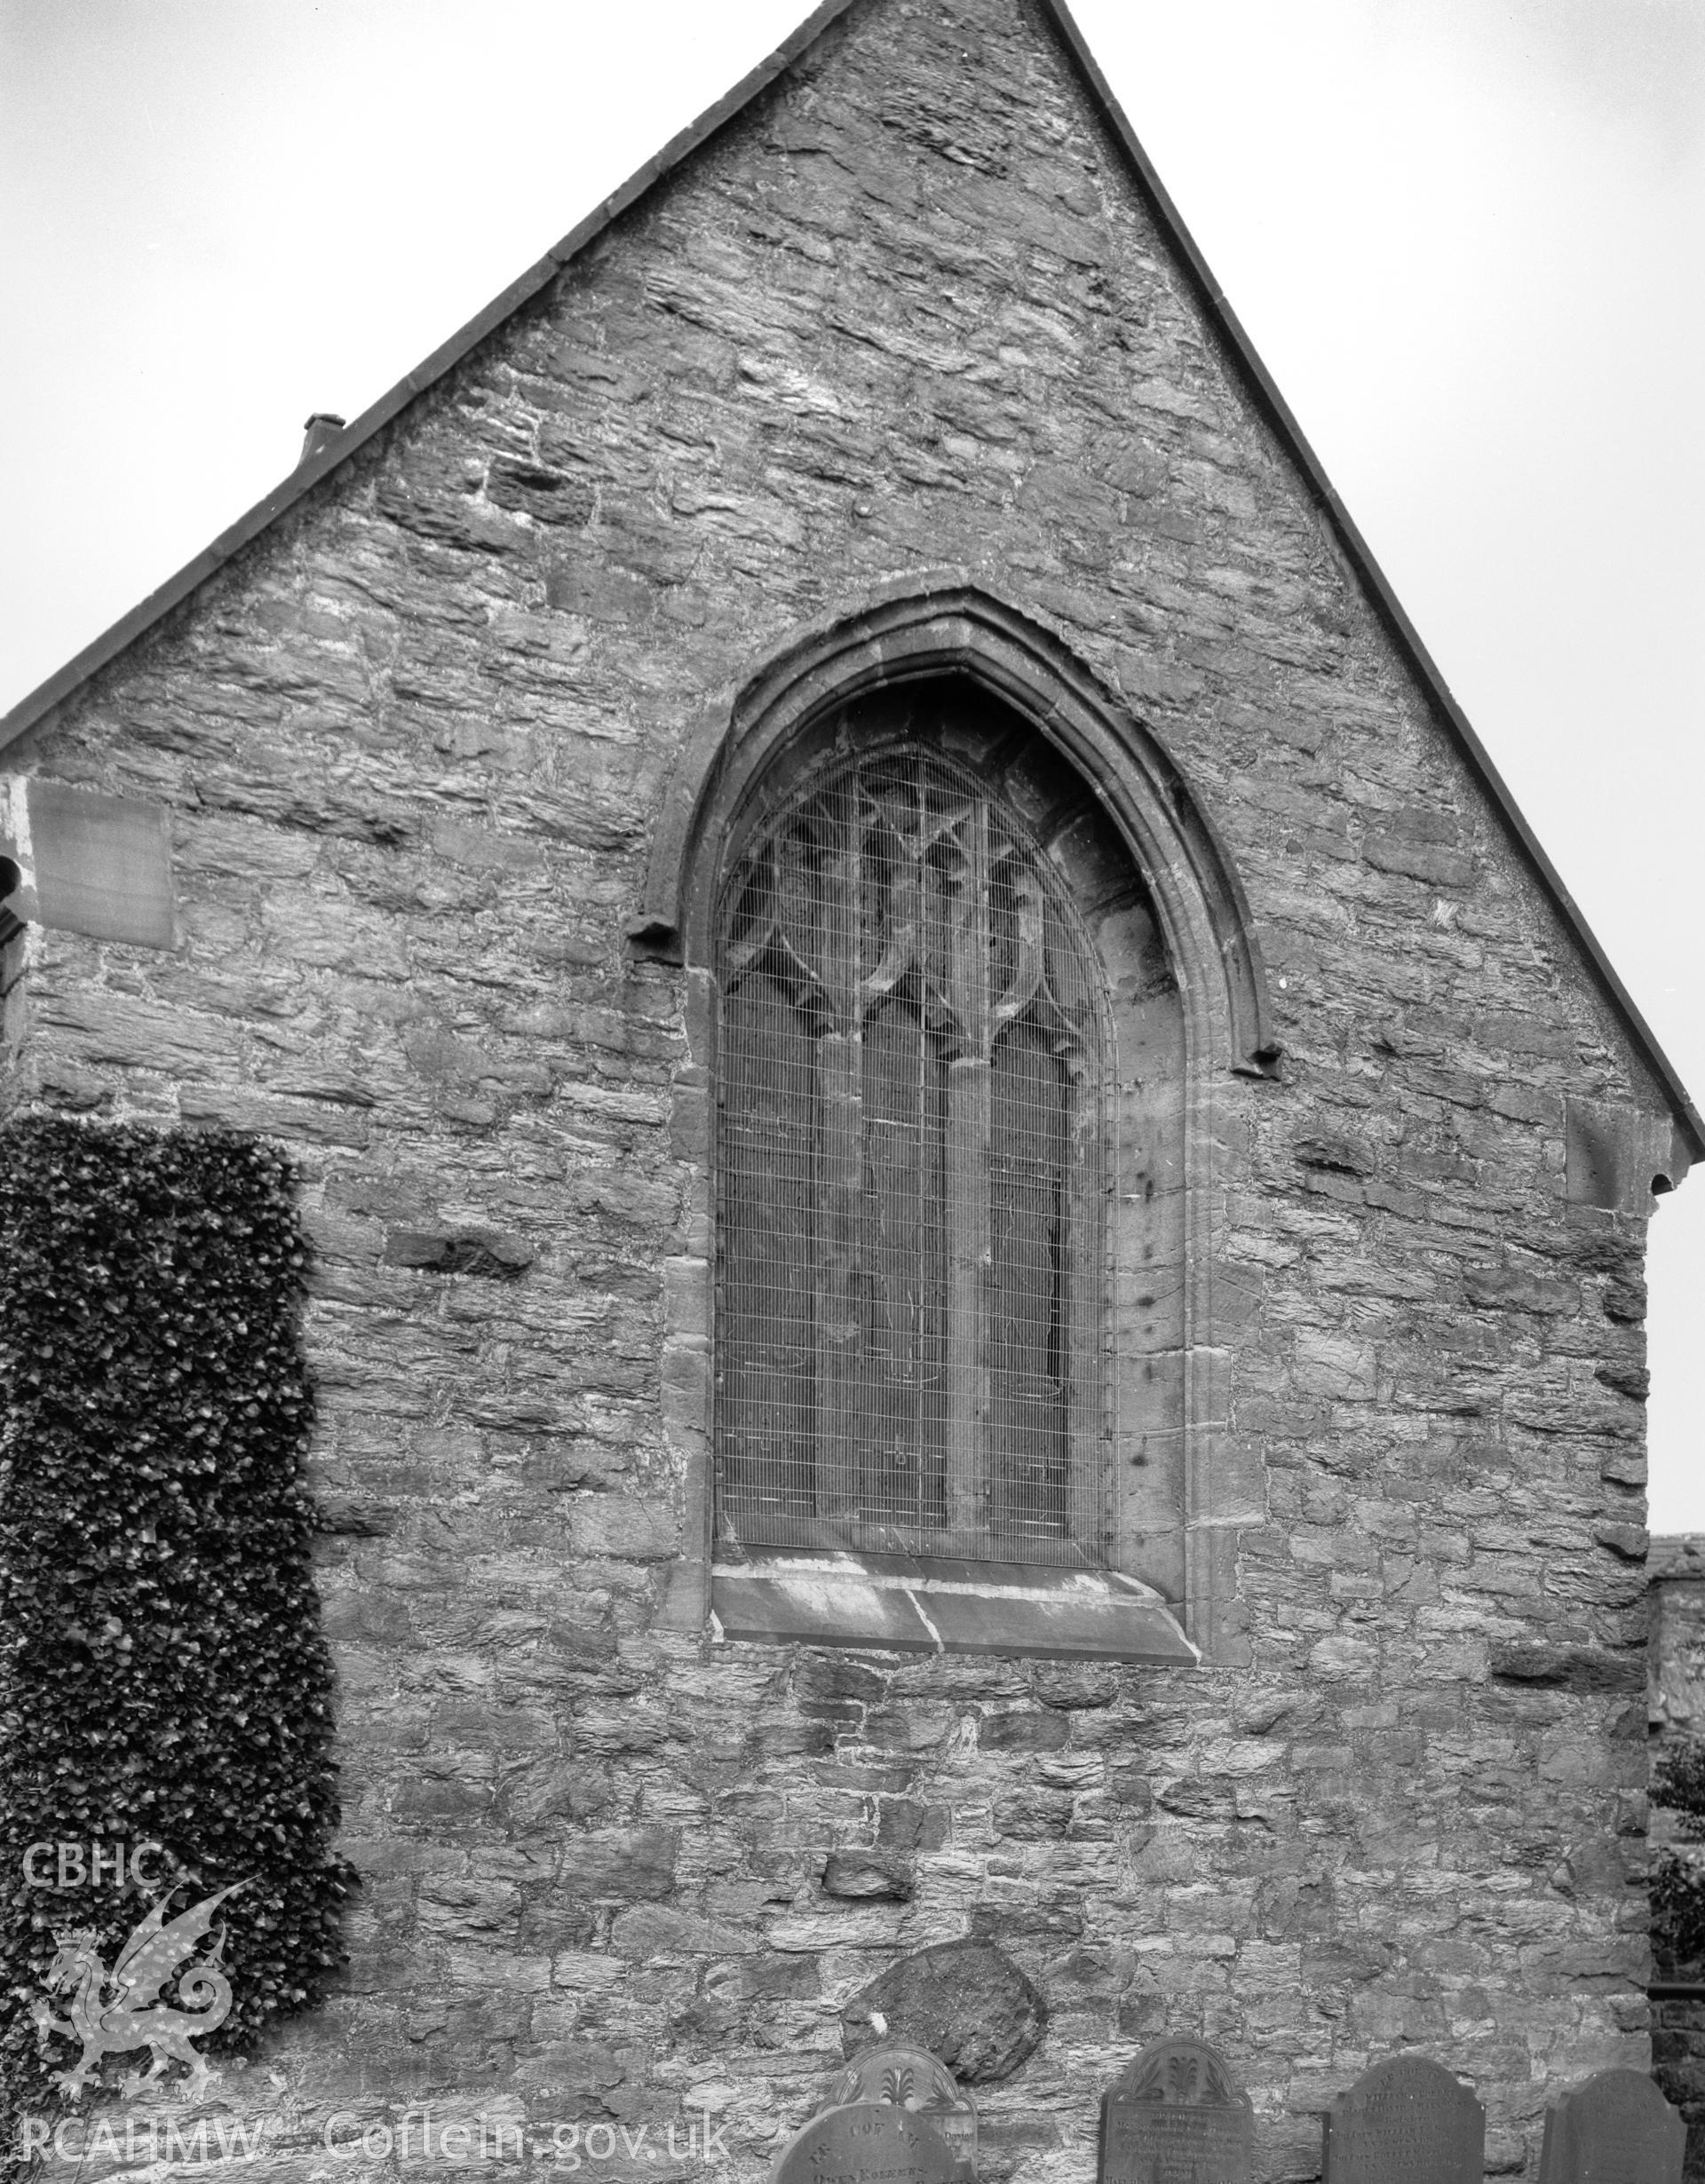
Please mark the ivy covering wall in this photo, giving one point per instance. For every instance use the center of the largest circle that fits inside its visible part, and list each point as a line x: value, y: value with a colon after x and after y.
x: 162, y: 1673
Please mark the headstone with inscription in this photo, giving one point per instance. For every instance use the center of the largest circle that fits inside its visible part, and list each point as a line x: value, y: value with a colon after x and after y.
x: 1175, y: 2116
x: 1617, y: 2128
x: 911, y: 2078
x: 866, y: 2142
x: 1408, y: 2121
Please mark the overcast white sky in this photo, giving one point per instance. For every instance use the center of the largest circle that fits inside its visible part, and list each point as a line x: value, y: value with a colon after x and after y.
x: 1468, y: 237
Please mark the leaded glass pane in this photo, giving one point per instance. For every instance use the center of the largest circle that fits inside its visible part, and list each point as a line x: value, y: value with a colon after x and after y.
x: 909, y: 1152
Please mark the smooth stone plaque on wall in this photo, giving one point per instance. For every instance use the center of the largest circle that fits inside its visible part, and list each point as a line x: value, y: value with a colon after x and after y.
x: 866, y: 2142
x: 909, y: 2079
x: 1175, y: 2116
x: 1617, y: 2128
x: 1408, y: 2121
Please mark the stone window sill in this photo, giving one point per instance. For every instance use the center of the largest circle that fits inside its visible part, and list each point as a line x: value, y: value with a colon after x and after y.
x: 902, y: 1604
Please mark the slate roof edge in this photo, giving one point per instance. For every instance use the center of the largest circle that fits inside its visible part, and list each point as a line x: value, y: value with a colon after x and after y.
x: 32, y: 708
x: 1676, y: 1555
x: 1360, y: 556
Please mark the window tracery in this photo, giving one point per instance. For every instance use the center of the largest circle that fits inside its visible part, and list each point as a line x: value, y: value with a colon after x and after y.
x: 911, y: 1142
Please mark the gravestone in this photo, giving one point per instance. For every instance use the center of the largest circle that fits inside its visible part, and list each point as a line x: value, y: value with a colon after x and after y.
x: 908, y: 2077
x: 1617, y: 2128
x: 1408, y: 2121
x: 866, y: 2142
x: 1175, y: 2116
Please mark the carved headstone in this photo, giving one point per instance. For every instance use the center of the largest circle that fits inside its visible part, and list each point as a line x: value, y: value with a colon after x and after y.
x: 866, y: 2142
x: 906, y: 2077
x: 1408, y: 2121
x: 964, y: 2001
x: 1175, y: 2116
x: 1617, y: 2128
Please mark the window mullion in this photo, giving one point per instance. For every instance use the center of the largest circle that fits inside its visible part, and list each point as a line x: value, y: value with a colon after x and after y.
x: 840, y: 1179
x: 968, y: 1190
x: 1082, y: 1250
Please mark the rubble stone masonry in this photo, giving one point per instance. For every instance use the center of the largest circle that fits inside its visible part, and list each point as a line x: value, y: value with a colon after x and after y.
x: 907, y: 313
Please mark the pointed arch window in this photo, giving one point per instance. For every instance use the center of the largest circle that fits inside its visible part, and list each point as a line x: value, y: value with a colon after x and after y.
x: 912, y: 1096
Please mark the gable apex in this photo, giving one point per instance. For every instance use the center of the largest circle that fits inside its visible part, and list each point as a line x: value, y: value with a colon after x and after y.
x: 1054, y: 18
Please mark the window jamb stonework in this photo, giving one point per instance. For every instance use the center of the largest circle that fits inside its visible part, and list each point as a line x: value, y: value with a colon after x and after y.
x: 944, y: 627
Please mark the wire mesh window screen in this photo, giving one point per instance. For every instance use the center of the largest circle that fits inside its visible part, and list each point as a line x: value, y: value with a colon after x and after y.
x: 909, y: 1155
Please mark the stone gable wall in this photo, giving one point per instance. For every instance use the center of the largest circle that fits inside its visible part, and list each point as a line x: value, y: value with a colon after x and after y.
x: 904, y: 314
